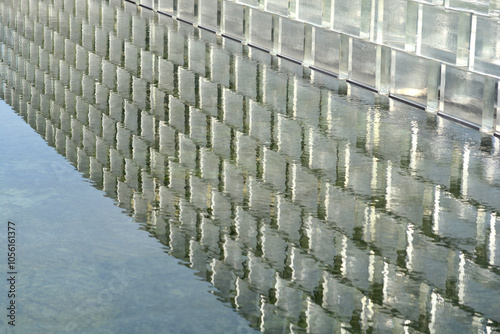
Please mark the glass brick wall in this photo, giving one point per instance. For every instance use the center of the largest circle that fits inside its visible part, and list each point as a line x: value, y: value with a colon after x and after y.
x: 442, y: 55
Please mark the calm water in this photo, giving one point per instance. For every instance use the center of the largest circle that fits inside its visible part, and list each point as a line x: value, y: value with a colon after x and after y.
x: 186, y: 183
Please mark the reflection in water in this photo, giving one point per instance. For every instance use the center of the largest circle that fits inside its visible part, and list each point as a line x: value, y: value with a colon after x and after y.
x: 308, y: 210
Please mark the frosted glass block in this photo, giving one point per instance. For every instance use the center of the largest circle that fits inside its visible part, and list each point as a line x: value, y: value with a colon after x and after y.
x: 208, y: 13
x: 348, y: 16
x: 277, y: 6
x: 253, y: 3
x: 487, y: 46
x: 147, y: 3
x: 292, y: 39
x: 444, y: 35
x: 394, y: 23
x: 261, y: 29
x: 310, y: 11
x: 233, y: 19
x: 327, y: 50
x: 167, y: 6
x: 188, y: 10
x: 416, y: 79
x: 480, y: 6
x: 469, y: 96
x: 364, y: 62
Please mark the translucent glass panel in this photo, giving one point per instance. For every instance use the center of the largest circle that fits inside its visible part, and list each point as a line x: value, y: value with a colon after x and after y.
x: 233, y: 19
x: 147, y: 3
x: 253, y: 3
x: 188, y: 10
x: 353, y: 17
x: 261, y: 28
x: 469, y: 96
x: 167, y: 6
x: 364, y: 62
x: 292, y: 38
x: 415, y: 79
x: 208, y: 13
x: 445, y: 35
x: 310, y: 11
x: 327, y: 50
x: 399, y: 23
x: 277, y: 6
x: 480, y: 6
x: 487, y: 46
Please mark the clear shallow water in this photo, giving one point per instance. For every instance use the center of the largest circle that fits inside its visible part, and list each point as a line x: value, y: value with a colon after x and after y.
x: 305, y: 204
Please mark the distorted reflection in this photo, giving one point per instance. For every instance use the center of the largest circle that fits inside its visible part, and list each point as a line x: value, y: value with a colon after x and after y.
x: 308, y: 210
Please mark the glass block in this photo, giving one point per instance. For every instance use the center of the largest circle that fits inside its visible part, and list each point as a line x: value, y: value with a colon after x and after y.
x: 310, y: 11
x: 292, y: 39
x: 167, y: 6
x: 353, y: 17
x: 364, y: 62
x: 253, y: 3
x: 261, y: 29
x: 479, y: 6
x: 327, y: 51
x: 395, y: 20
x: 415, y: 79
x: 208, y: 13
x: 188, y: 10
x: 383, y: 70
x: 444, y: 35
x: 487, y: 46
x: 345, y: 56
x: 277, y: 6
x: 469, y: 96
x: 233, y: 19
x: 147, y: 3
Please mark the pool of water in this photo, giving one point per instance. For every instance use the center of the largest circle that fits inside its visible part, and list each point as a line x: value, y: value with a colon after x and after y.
x: 164, y: 179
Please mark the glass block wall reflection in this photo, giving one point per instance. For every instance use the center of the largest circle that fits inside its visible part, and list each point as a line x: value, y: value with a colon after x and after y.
x: 411, y: 50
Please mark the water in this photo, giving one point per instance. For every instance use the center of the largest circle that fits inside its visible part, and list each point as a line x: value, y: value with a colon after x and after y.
x: 241, y: 191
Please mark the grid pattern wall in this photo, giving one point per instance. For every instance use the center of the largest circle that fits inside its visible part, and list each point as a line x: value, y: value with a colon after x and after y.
x: 114, y: 94
x: 441, y: 55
